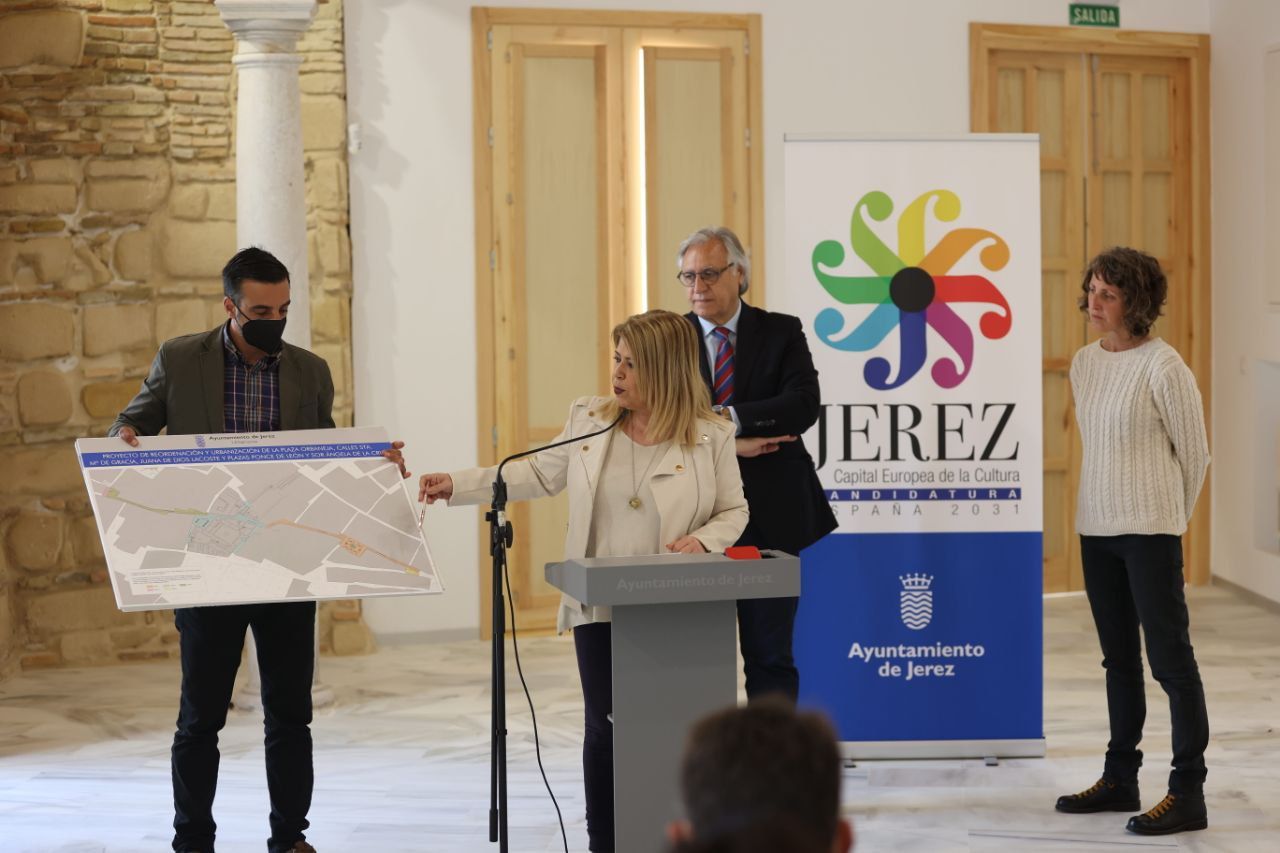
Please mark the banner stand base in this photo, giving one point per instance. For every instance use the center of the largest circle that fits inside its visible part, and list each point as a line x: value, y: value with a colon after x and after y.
x: 877, y: 750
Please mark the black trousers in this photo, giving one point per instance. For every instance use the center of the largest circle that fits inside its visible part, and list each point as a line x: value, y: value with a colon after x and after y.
x: 594, y: 645
x: 1136, y: 581
x: 765, y: 627
x: 212, y: 639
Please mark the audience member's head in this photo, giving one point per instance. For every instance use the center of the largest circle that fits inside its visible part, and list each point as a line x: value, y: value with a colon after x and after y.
x: 759, y: 778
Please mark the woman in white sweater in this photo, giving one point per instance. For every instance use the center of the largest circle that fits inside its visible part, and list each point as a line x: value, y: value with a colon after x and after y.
x: 1145, y: 454
x: 665, y: 479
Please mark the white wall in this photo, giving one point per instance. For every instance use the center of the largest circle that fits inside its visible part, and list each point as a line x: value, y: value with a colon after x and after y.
x: 829, y: 65
x: 1243, y: 330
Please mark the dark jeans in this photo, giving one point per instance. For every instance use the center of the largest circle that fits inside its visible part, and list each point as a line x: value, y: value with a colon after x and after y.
x: 212, y: 639
x: 1136, y: 580
x: 594, y: 645
x: 765, y: 626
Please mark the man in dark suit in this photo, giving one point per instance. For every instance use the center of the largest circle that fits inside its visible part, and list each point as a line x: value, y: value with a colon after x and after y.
x: 241, y: 377
x: 761, y: 375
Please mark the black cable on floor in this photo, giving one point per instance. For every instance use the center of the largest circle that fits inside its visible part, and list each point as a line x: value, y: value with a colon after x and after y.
x: 537, y: 748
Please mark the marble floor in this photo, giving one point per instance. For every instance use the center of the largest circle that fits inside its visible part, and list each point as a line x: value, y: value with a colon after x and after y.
x: 402, y: 755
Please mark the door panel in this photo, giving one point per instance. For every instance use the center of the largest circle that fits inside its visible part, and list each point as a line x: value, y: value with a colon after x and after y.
x: 1053, y: 212
x: 558, y: 335
x: 1157, y: 198
x: 1051, y: 94
x: 1057, y: 342
x: 1157, y: 98
x: 1115, y: 207
x: 557, y: 124
x: 685, y: 141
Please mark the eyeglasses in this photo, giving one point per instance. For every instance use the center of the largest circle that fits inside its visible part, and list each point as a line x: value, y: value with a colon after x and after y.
x: 707, y: 276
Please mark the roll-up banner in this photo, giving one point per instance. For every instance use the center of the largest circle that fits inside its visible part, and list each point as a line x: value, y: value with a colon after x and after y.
x: 914, y: 264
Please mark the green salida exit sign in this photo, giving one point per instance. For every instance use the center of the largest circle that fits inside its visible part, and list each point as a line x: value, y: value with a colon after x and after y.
x: 1094, y: 15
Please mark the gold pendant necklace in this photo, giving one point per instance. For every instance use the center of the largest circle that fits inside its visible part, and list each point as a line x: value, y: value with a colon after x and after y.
x: 635, y: 502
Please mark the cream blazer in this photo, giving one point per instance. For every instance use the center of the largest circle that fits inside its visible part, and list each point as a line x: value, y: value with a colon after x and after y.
x: 696, y: 490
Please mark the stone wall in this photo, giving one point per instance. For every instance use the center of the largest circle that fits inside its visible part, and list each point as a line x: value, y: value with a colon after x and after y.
x: 117, y: 212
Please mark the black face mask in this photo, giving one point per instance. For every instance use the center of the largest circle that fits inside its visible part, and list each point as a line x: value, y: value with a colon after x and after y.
x: 266, y: 335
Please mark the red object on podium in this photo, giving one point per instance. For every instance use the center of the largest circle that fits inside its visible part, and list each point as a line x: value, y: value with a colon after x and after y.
x: 743, y: 552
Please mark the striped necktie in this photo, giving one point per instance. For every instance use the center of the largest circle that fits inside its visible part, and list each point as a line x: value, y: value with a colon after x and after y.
x: 722, y: 376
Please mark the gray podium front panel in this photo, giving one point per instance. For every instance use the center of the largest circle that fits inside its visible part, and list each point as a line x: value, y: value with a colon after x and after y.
x: 671, y: 665
x: 674, y: 660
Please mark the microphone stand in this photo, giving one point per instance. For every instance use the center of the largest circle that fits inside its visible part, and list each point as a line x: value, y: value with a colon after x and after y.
x: 500, y: 538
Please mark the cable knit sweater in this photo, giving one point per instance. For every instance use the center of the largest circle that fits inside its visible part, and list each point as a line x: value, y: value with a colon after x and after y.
x: 1145, y: 448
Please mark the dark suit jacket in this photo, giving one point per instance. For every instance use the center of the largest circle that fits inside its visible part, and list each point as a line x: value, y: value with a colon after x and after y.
x: 183, y: 391
x: 775, y: 391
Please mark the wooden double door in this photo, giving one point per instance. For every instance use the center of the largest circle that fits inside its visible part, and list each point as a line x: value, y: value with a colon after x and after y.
x: 601, y: 140
x: 1122, y: 120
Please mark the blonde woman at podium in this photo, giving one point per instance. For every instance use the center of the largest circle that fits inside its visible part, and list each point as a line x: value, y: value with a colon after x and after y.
x: 663, y: 479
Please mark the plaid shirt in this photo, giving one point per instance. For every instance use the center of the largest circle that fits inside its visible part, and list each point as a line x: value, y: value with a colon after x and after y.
x: 250, y: 392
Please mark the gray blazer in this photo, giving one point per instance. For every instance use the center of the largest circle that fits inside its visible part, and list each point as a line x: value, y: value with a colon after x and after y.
x: 183, y: 391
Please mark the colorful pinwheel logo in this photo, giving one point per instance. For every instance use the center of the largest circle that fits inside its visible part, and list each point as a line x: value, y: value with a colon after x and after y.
x: 912, y: 289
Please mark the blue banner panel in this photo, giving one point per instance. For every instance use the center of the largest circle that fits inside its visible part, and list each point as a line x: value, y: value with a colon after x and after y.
x: 923, y: 636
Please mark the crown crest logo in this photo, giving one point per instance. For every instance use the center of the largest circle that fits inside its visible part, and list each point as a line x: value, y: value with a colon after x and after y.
x: 915, y: 602
x: 916, y: 583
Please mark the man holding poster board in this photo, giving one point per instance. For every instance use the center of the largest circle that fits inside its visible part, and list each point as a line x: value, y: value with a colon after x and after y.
x: 241, y: 378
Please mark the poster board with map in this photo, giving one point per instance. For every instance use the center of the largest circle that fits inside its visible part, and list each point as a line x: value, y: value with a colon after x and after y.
x: 238, y: 518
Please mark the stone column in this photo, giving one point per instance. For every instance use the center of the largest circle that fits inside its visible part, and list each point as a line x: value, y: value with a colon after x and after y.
x: 271, y: 209
x: 270, y: 185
